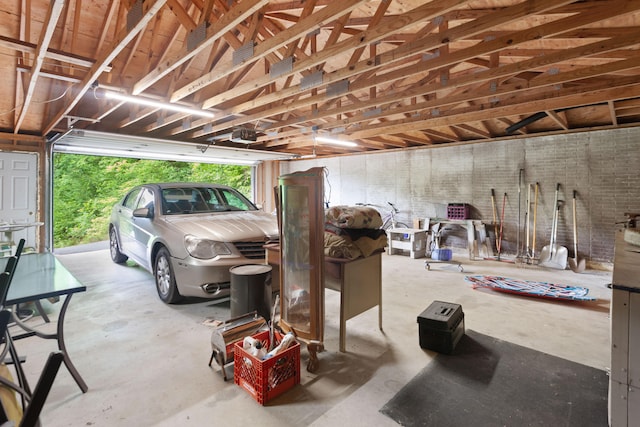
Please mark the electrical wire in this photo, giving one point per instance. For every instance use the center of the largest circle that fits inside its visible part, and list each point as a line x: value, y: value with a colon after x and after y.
x: 2, y: 113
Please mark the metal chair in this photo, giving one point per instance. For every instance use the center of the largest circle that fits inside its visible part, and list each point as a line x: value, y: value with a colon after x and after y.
x: 5, y: 281
x: 5, y: 336
x: 32, y: 403
x: 12, y: 264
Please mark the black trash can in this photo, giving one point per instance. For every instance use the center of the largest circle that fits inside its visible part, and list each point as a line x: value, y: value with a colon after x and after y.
x: 251, y: 289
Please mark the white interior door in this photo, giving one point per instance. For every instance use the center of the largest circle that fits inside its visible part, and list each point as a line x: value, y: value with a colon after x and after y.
x: 18, y: 194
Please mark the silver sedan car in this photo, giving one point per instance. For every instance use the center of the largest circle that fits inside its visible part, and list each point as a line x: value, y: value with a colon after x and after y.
x: 188, y: 235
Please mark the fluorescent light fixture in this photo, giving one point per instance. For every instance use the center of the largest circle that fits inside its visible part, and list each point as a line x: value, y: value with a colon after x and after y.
x: 157, y: 104
x: 335, y: 141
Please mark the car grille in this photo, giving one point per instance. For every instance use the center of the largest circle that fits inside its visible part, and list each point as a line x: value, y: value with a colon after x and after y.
x: 251, y: 250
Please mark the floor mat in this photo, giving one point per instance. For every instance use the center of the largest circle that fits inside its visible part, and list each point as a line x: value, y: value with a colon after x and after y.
x: 489, y: 382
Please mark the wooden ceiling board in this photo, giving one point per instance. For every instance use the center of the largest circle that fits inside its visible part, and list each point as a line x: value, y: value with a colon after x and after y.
x: 395, y: 73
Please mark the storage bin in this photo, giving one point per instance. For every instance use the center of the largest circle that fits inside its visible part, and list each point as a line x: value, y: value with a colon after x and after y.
x: 266, y: 379
x: 250, y: 289
x: 441, y: 326
x: 442, y: 254
x: 457, y: 211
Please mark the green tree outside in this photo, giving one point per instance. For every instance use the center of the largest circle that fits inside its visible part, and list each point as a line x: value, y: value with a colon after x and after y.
x: 85, y: 188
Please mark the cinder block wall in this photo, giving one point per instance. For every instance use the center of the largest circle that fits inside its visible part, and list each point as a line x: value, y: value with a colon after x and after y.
x: 603, y: 167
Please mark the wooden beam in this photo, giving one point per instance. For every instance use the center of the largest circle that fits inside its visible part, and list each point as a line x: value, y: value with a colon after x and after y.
x: 419, y: 14
x: 270, y: 45
x: 559, y: 118
x: 52, y: 54
x: 50, y: 74
x: 126, y: 60
x: 473, y: 130
x: 207, y: 7
x: 373, y: 22
x: 75, y: 35
x: 421, y: 140
x: 627, y: 103
x: 64, y: 38
x: 501, y: 72
x: 226, y: 23
x: 408, y: 49
x: 183, y: 17
x: 106, y: 23
x: 508, y: 122
x: 20, y: 137
x: 55, y: 9
x: 175, y: 32
x: 439, y: 103
x: 565, y: 98
x: 627, y: 112
x: 150, y: 8
x: 438, y: 135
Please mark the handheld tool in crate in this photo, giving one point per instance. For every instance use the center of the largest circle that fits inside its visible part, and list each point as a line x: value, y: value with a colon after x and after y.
x: 265, y: 379
x: 231, y: 331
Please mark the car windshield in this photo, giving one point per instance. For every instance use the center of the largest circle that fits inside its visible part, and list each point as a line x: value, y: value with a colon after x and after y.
x: 191, y: 200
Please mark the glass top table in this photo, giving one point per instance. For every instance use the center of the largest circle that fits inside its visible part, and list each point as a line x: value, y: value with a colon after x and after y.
x: 40, y: 276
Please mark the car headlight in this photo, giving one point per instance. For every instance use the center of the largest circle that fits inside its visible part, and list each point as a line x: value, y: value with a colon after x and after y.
x: 204, y: 248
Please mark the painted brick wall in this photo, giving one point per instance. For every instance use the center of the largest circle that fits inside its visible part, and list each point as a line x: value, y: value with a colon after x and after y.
x: 603, y: 167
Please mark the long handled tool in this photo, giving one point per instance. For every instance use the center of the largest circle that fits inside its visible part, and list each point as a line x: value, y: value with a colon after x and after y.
x: 535, y: 219
x: 576, y: 265
x: 527, y: 219
x: 518, y: 239
x: 499, y: 243
x: 495, y: 214
x: 553, y: 255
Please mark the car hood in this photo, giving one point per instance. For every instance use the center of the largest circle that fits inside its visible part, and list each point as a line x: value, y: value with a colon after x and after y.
x: 227, y: 226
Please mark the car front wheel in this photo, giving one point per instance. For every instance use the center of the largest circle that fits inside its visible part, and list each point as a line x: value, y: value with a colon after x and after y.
x: 165, y: 279
x: 114, y: 248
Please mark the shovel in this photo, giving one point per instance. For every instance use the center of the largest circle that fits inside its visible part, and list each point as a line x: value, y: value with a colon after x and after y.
x: 554, y: 256
x: 576, y: 265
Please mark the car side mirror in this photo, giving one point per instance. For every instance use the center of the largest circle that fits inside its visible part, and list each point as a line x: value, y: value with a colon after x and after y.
x: 143, y: 213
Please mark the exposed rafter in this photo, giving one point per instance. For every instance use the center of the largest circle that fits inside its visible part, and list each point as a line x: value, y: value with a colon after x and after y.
x: 389, y: 74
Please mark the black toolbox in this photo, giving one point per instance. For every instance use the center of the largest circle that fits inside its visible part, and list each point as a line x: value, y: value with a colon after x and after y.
x: 441, y: 326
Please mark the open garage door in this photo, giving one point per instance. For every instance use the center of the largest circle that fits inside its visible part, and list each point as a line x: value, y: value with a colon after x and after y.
x: 121, y: 145
x: 103, y: 144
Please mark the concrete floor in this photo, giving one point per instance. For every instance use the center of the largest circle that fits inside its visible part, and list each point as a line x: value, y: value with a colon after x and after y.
x: 146, y: 362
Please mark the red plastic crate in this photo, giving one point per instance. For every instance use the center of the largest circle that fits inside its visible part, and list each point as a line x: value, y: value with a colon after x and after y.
x: 266, y: 379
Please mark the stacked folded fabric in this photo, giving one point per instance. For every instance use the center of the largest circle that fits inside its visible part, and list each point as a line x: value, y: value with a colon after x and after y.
x: 353, y: 231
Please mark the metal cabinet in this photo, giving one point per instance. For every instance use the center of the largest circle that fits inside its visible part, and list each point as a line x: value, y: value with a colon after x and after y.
x: 624, y: 384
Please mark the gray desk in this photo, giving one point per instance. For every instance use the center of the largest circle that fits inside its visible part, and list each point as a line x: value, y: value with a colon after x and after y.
x: 40, y: 276
x: 359, y: 282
